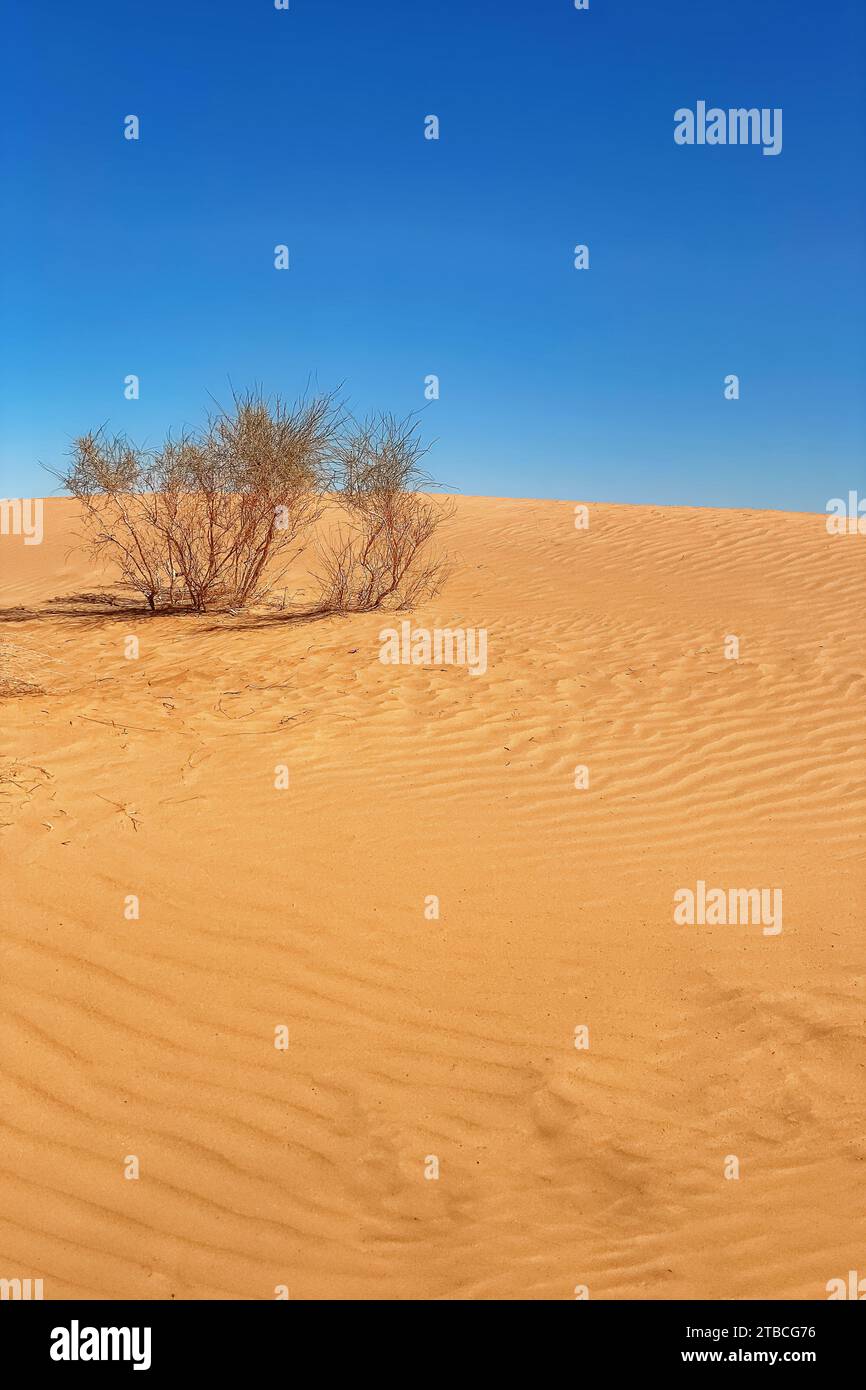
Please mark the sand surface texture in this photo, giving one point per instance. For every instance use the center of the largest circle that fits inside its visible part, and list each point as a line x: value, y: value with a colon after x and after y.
x: 453, y: 1039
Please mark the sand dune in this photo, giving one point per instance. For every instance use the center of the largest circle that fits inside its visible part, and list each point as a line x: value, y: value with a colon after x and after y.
x: 452, y: 1038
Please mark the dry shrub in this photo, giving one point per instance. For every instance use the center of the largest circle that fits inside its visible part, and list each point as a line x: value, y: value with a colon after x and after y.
x: 382, y: 554
x: 218, y: 517
x: 110, y: 477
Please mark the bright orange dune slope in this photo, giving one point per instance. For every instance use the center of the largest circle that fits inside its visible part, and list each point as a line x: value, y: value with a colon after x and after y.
x: 415, y: 1041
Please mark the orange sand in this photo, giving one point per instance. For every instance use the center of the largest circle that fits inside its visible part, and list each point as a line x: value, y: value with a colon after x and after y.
x: 455, y: 1038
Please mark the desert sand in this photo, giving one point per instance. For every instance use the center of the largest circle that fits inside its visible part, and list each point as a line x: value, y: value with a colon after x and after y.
x: 453, y: 1039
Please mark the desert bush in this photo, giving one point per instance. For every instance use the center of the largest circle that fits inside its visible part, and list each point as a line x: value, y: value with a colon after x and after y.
x: 382, y: 554
x: 110, y: 477
x: 275, y: 463
x: 216, y: 517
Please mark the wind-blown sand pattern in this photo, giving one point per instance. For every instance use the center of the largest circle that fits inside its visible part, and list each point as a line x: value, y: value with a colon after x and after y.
x: 558, y: 1167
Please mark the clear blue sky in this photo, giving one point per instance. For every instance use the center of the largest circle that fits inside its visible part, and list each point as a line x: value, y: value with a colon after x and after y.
x: 411, y: 257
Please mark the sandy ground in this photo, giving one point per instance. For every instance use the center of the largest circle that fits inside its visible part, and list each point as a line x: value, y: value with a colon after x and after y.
x: 409, y: 1038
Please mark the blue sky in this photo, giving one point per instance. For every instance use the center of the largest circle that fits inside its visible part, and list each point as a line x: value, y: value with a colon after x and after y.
x: 411, y: 257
